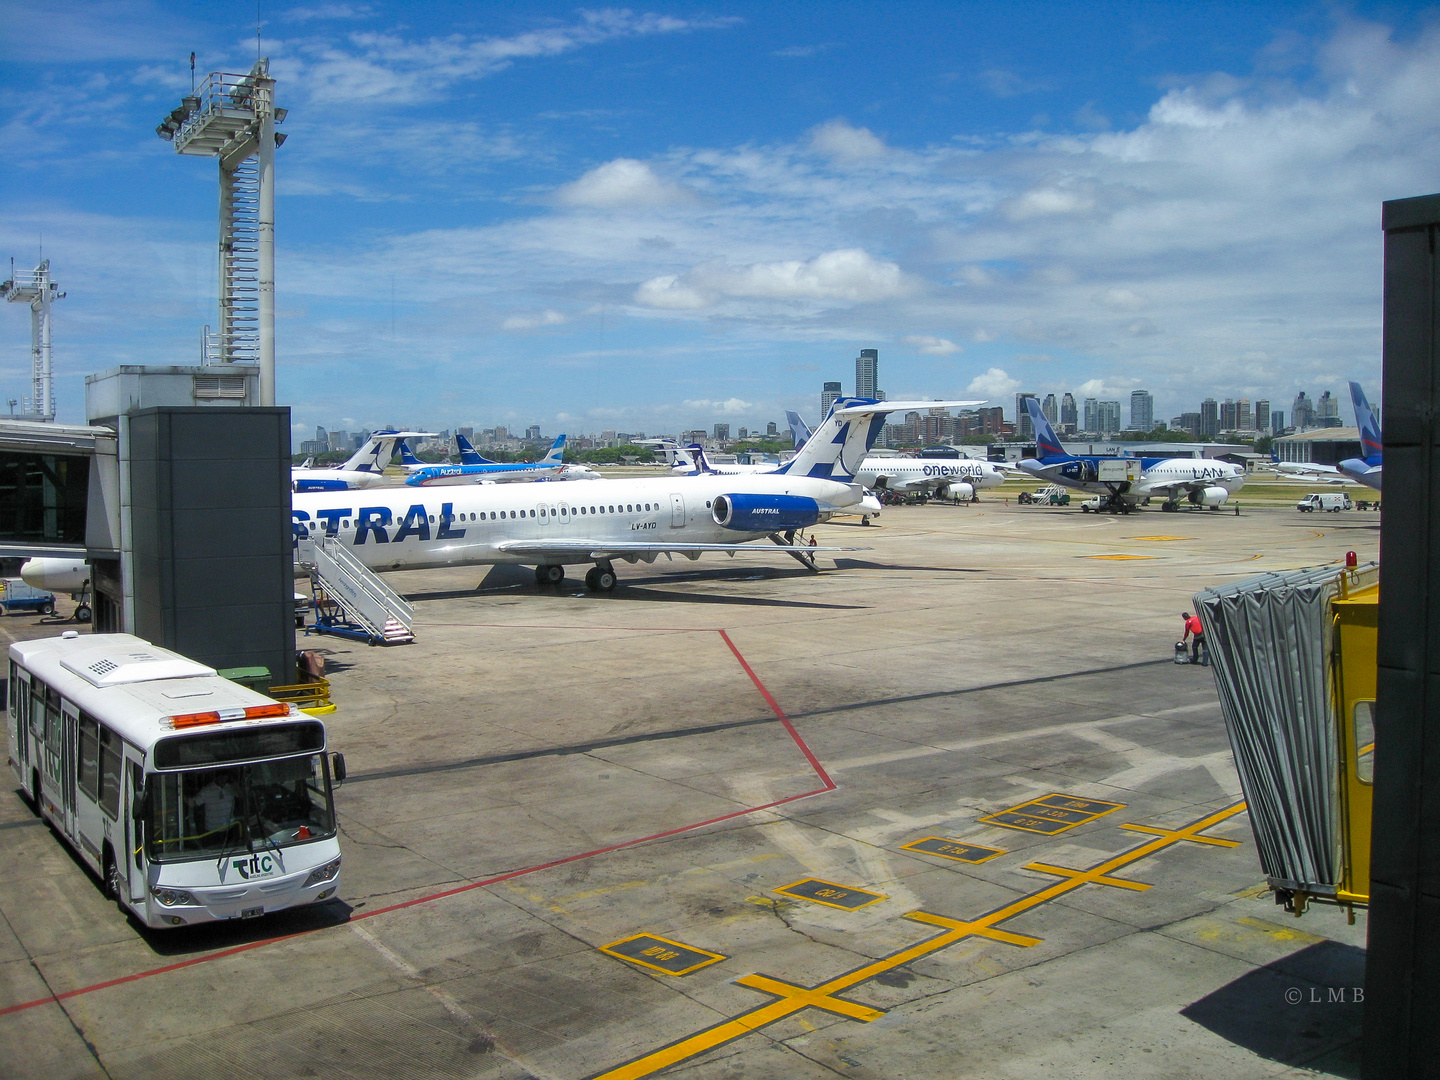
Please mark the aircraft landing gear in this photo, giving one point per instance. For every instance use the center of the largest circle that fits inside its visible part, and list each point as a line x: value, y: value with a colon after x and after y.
x: 552, y: 574
x: 601, y: 578
x: 1171, y: 506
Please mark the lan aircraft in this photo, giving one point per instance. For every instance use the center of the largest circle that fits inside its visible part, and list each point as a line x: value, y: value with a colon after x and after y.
x: 551, y: 526
x: 1366, y: 469
x: 1201, y: 481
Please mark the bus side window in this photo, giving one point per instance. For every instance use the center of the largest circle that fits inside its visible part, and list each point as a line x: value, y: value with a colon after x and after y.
x: 109, y: 772
x: 53, y: 731
x: 88, y: 775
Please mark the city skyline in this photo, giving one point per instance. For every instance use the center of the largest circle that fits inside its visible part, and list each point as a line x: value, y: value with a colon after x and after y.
x: 657, y: 219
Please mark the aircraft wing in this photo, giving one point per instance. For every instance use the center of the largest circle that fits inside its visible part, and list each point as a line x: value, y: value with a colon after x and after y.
x: 641, y: 549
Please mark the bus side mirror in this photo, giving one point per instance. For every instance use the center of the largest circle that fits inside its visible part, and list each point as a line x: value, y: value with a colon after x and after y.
x: 337, y: 766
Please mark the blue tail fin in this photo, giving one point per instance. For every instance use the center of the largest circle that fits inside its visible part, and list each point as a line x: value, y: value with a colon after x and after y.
x: 1047, y: 446
x: 468, y: 454
x: 1371, y: 444
x: 407, y: 457
x: 799, y: 433
x: 697, y: 455
x: 557, y: 452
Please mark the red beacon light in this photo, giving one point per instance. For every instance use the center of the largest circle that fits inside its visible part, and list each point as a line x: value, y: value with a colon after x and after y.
x: 1351, y: 560
x: 219, y: 716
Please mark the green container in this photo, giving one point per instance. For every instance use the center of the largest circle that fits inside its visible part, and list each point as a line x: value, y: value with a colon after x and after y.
x: 256, y: 678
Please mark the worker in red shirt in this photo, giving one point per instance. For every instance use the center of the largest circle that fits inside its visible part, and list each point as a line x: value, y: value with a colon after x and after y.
x: 1193, y: 626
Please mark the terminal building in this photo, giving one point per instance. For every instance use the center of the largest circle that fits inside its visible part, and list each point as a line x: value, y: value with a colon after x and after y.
x: 1320, y: 446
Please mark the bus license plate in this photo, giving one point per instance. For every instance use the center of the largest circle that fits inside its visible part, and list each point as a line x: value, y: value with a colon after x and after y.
x: 251, y: 912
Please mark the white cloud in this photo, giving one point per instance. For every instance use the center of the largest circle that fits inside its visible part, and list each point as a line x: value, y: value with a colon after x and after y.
x: 995, y: 383
x: 729, y: 407
x: 838, y: 140
x: 931, y: 346
x: 1048, y: 200
x: 847, y: 276
x: 623, y: 182
x: 330, y: 12
x: 548, y: 317
x: 1120, y: 299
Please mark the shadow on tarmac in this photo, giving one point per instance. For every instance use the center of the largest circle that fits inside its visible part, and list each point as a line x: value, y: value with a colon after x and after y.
x: 1304, y: 1010
x: 208, y: 937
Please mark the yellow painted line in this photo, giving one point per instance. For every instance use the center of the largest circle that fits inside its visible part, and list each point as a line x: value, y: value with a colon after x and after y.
x: 790, y: 998
x: 1157, y: 538
x: 1117, y: 558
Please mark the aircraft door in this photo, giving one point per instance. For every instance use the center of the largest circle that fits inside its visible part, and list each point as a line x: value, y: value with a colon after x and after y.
x: 677, y: 510
x: 546, y: 513
x: 563, y: 510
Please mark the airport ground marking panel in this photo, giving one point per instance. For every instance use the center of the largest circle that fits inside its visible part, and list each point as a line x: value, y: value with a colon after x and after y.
x: 661, y: 954
x: 1158, y: 539
x: 1117, y: 557
x: 1052, y: 814
x: 831, y: 895
x: 957, y: 850
x: 790, y: 998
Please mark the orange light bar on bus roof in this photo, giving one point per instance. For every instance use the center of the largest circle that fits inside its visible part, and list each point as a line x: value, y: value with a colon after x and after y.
x: 217, y: 716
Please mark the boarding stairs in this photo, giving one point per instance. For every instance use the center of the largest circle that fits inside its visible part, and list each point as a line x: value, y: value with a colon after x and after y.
x: 349, y: 597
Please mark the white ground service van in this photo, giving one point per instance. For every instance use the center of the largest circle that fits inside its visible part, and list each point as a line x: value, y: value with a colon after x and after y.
x: 1328, y: 500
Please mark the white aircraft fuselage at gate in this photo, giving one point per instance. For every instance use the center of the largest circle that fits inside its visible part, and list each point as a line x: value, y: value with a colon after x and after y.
x: 550, y: 525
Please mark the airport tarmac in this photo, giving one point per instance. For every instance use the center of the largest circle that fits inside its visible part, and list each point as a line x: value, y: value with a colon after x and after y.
x: 945, y: 809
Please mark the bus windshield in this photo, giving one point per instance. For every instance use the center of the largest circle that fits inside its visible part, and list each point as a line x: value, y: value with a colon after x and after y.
x: 239, y: 808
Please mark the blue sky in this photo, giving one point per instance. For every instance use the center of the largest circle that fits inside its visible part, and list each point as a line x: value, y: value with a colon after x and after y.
x: 659, y: 217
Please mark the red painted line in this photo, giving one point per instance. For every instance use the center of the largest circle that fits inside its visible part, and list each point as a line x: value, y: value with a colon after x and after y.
x: 775, y: 707
x: 829, y: 785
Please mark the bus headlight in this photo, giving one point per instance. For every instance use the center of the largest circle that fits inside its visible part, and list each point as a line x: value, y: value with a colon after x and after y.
x: 171, y: 897
x: 323, y: 873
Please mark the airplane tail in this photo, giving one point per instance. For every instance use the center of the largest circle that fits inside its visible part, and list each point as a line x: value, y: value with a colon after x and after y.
x: 468, y: 454
x: 697, y: 455
x: 407, y: 456
x: 836, y: 449
x: 1047, y: 446
x: 799, y: 433
x: 374, y: 455
x: 557, y: 452
x: 1371, y: 444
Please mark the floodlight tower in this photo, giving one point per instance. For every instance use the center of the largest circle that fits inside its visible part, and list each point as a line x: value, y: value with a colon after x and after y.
x: 233, y: 118
x: 37, y: 290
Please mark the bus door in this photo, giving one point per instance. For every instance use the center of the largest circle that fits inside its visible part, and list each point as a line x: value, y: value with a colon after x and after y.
x: 20, y: 722
x: 70, y: 718
x: 133, y: 860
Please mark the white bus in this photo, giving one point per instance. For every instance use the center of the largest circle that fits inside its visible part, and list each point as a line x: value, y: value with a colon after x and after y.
x: 193, y: 798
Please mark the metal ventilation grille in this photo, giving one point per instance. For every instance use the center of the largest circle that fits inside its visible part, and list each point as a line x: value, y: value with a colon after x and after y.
x: 103, y: 667
x: 213, y: 387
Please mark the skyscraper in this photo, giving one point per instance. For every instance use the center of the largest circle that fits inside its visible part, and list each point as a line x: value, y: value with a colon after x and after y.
x: 1068, y: 418
x: 1024, y: 429
x: 1262, y: 415
x: 1050, y: 409
x: 827, y: 398
x: 722, y: 432
x: 1327, y: 410
x: 1209, y: 419
x: 1227, y: 415
x: 1092, y: 414
x: 1302, y: 411
x: 1243, y: 419
x: 1142, y: 410
x: 1109, y: 413
x: 867, y: 373
x: 1277, y: 422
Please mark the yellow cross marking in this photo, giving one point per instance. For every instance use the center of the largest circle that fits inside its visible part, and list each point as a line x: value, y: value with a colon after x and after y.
x: 791, y: 999
x: 1082, y: 876
x: 812, y: 996
x: 1217, y: 841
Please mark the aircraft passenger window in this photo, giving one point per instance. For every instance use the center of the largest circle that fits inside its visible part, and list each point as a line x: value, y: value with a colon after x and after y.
x: 629, y: 509
x: 542, y: 511
x: 432, y: 519
x: 312, y: 525
x: 582, y: 509
x: 592, y: 509
x: 532, y: 513
x: 346, y: 523
x: 707, y: 504
x: 612, y: 509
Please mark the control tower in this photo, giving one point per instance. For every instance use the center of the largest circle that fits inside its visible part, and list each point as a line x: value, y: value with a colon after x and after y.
x: 37, y: 290
x: 233, y: 118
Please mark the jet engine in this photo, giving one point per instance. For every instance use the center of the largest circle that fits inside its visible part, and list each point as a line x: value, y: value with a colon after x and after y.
x: 956, y: 492
x: 57, y: 575
x: 1210, y: 496
x: 764, y: 513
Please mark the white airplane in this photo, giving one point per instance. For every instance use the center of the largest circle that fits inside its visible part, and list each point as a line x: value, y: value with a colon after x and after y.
x: 1309, y: 470
x: 550, y: 526
x: 1368, y: 467
x: 1201, y: 481
x: 692, y: 461
x: 955, y: 479
x: 366, y: 467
